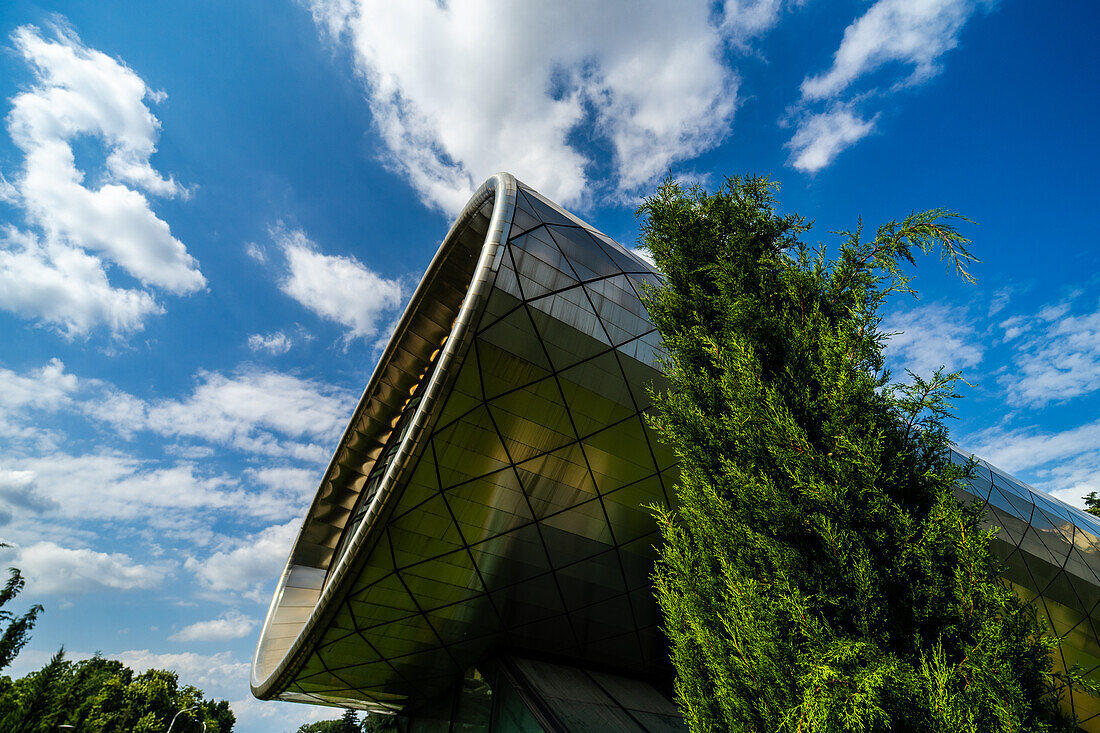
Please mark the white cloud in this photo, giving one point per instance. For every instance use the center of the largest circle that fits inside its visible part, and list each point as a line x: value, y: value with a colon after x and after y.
x: 300, y: 482
x: 56, y: 273
x: 248, y: 567
x: 231, y: 625
x: 25, y: 397
x: 256, y: 412
x: 911, y: 32
x: 54, y: 570
x: 62, y: 285
x: 1000, y: 300
x: 1057, y: 356
x: 340, y: 289
x: 821, y: 137
x: 19, y: 492
x: 931, y: 336
x: 246, y: 411
x: 221, y: 670
x: 463, y: 89
x: 274, y: 343
x: 116, y: 486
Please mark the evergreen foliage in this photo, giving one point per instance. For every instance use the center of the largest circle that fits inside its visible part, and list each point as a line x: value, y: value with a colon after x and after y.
x: 819, y: 573
x: 100, y: 695
x: 1092, y: 503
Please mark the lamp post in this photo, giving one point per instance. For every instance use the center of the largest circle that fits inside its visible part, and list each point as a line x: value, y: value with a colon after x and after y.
x: 186, y: 710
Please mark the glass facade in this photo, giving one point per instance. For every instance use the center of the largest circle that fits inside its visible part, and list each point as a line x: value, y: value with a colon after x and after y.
x: 488, y: 504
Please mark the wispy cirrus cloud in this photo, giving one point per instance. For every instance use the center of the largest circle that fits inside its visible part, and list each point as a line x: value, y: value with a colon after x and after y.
x: 909, y: 35
x: 56, y: 270
x: 927, y: 337
x: 1056, y: 355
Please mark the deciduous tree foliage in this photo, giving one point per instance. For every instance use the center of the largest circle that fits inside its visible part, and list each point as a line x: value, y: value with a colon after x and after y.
x: 819, y: 573
x: 100, y: 695
x: 17, y: 629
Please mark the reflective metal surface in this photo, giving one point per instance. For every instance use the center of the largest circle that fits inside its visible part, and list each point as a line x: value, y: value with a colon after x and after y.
x: 490, y: 493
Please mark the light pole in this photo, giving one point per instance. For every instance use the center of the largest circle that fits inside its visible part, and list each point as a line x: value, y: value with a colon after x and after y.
x: 187, y: 710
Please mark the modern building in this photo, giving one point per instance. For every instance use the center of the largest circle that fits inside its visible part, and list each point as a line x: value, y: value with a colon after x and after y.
x: 479, y: 551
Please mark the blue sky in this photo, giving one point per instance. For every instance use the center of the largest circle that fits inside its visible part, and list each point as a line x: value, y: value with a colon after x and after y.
x: 211, y: 214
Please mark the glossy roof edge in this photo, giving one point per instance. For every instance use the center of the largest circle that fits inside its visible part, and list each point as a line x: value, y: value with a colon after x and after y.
x: 501, y: 189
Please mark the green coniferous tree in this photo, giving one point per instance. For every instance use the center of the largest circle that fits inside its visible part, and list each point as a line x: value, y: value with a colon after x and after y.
x: 819, y: 573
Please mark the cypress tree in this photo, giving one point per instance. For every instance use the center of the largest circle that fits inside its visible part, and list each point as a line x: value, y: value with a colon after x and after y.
x: 819, y: 573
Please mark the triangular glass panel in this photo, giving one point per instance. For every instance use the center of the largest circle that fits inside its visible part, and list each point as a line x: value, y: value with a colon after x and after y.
x: 443, y: 581
x: 422, y: 485
x: 585, y: 256
x: 468, y: 447
x: 595, y: 578
x: 536, y: 278
x: 499, y: 304
x: 523, y: 217
x: 465, y: 392
x: 551, y: 636
x: 489, y: 506
x: 556, y: 481
x: 511, y: 354
x: 539, y: 244
x: 619, y: 455
x: 586, y: 520
x: 641, y: 377
x: 511, y: 558
x: 532, y: 420
x: 596, y: 393
x: 624, y: 258
x: 543, y: 209
x: 423, y: 534
x: 530, y: 601
x: 506, y: 279
x: 568, y: 327
x: 627, y: 508
x: 609, y: 617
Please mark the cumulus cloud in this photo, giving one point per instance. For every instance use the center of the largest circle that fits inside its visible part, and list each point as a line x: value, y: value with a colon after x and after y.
x: 273, y: 343
x: 46, y: 389
x: 54, y: 570
x: 912, y: 34
x: 341, y: 289
x: 463, y: 89
x: 249, y: 409
x: 220, y: 671
x: 821, y: 137
x: 56, y: 271
x: 1057, y: 356
x: 928, y: 337
x: 248, y: 567
x: 231, y: 625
